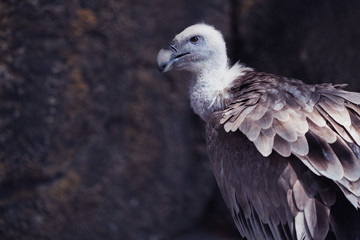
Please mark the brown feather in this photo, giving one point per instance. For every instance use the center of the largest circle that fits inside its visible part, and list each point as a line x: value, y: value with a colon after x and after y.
x: 324, y: 132
x: 354, y: 128
x: 225, y: 118
x: 294, y: 210
x: 316, y: 118
x: 334, y: 102
x: 258, y: 112
x: 338, y: 128
x: 282, y: 116
x: 250, y: 129
x: 340, y: 116
x: 300, y: 146
x: 264, y: 144
x: 300, y: 226
x: 314, y: 98
x: 278, y: 106
x: 237, y: 123
x: 259, y: 208
x: 282, y: 146
x: 355, y: 108
x: 241, y: 118
x: 306, y: 162
x: 353, y: 97
x: 323, y: 158
x: 310, y: 216
x: 334, y: 98
x: 292, y: 103
x: 266, y: 121
x: 244, y: 203
x: 300, y: 196
x: 300, y: 124
x: 317, y: 219
x: 304, y: 105
x: 352, y: 187
x: 268, y: 132
x: 285, y: 130
x: 311, y: 129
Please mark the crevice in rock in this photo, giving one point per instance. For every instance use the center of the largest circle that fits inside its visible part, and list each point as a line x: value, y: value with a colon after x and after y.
x: 8, y: 189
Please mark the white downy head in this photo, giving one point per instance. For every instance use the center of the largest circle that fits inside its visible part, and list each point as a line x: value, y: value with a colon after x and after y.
x: 201, y: 50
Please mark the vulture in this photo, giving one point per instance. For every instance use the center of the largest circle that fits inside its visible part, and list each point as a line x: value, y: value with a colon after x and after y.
x: 285, y: 154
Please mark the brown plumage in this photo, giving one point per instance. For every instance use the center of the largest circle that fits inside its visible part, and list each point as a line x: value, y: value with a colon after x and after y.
x: 285, y: 154
x: 304, y: 152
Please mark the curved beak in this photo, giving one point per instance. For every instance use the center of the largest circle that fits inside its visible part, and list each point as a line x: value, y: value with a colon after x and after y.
x: 165, y: 60
x: 168, y: 55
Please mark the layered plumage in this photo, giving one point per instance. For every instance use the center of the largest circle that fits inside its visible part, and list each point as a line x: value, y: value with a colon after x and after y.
x: 285, y: 154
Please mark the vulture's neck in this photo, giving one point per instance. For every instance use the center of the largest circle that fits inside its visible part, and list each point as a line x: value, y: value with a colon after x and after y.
x: 210, y: 90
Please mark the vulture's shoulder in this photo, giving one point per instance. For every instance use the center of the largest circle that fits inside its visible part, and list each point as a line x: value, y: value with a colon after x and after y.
x: 284, y: 121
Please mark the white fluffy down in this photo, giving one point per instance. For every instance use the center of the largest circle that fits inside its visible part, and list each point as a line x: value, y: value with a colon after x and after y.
x: 214, y: 76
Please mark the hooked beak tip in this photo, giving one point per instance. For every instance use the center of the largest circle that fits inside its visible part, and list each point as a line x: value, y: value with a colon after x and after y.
x: 162, y: 67
x: 165, y: 60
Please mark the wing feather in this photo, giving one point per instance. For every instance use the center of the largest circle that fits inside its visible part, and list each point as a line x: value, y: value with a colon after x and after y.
x: 341, y: 116
x: 323, y: 158
x: 353, y: 107
x: 300, y: 196
x: 310, y: 216
x: 353, y: 97
x: 258, y: 112
x: 300, y: 124
x: 349, y: 161
x: 324, y: 132
x: 300, y: 146
x: 316, y: 118
x: 333, y: 102
x: 315, y: 123
x: 354, y: 128
x: 266, y: 120
x: 285, y: 130
x: 317, y: 126
x: 300, y: 226
x: 282, y: 146
x: 268, y: 132
x: 282, y: 116
x: 338, y: 128
x: 250, y: 129
x: 264, y: 144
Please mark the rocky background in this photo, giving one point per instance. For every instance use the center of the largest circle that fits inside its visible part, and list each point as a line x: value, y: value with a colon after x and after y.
x: 96, y: 144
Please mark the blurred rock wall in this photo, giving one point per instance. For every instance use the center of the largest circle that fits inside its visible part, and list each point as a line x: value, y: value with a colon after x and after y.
x: 96, y: 144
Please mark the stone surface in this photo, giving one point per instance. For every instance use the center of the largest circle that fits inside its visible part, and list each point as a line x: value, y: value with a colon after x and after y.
x: 96, y: 144
x: 316, y: 41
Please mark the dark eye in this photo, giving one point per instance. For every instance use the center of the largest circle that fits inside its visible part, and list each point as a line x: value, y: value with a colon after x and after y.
x: 194, y: 39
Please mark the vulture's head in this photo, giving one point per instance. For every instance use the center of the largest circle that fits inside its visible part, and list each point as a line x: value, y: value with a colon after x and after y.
x: 199, y: 48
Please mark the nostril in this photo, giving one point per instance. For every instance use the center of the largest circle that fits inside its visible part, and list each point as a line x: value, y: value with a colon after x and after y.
x: 162, y: 67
